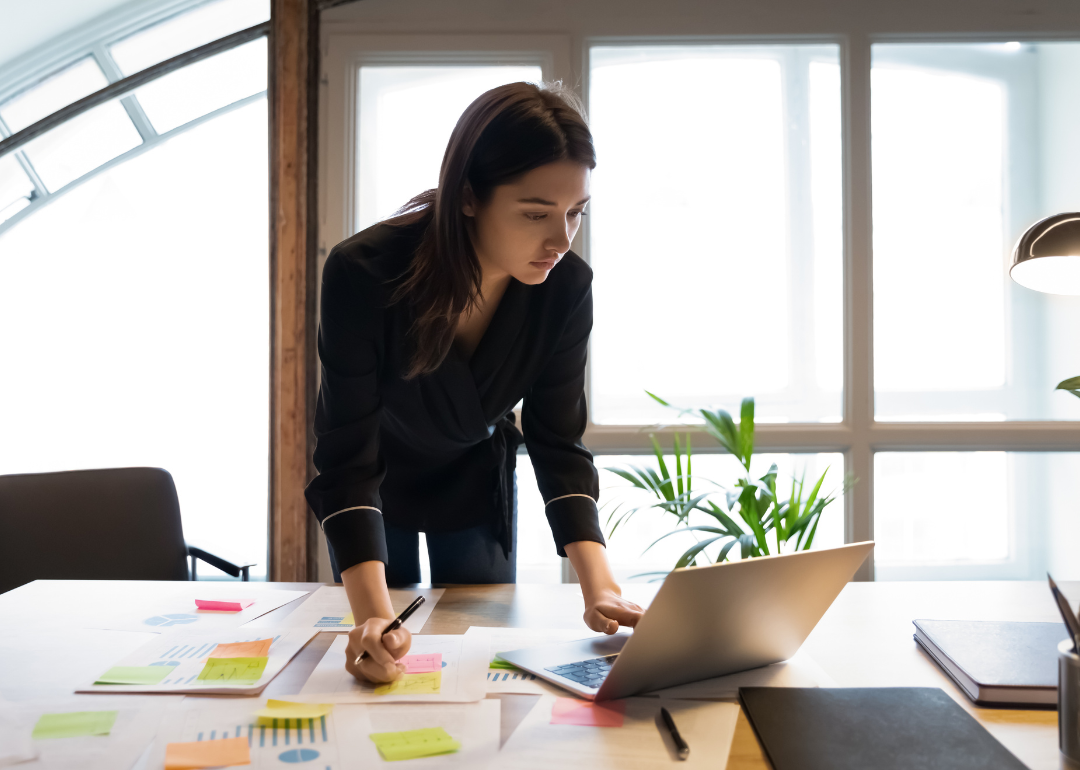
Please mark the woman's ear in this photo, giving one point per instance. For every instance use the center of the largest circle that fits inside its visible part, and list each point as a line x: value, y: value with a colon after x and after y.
x: 468, y: 202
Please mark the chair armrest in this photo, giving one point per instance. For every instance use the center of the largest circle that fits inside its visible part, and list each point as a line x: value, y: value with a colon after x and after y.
x: 236, y: 570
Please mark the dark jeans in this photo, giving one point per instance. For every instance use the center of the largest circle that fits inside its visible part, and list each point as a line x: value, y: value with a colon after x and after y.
x: 467, y: 556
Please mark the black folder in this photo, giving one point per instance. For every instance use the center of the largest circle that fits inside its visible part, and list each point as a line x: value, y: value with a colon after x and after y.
x: 884, y: 728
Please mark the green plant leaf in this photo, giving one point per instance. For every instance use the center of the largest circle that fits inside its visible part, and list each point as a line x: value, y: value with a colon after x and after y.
x: 724, y: 551
x: 692, y: 552
x: 696, y: 527
x: 746, y: 432
x: 678, y: 465
x: 657, y: 398
x: 1072, y: 385
x: 721, y: 427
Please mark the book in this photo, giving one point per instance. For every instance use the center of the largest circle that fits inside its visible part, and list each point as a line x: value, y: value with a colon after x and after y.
x: 996, y: 663
x: 884, y: 728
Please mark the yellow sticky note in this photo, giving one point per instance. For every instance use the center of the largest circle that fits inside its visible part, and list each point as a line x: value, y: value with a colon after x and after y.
x: 413, y: 684
x: 256, y: 649
x: 348, y: 620
x: 199, y: 754
x: 411, y: 744
x: 232, y: 670
x: 283, y: 709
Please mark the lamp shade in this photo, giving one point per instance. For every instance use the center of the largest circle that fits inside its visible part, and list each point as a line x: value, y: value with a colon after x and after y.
x: 1047, y: 256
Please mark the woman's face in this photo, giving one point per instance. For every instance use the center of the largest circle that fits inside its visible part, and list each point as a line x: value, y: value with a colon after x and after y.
x: 526, y: 227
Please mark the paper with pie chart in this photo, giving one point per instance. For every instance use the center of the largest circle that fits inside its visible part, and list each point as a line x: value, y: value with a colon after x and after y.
x: 458, y: 678
x: 176, y: 608
x: 230, y: 661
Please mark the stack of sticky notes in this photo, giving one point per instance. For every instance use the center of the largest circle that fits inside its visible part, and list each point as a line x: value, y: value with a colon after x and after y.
x: 224, y: 752
x: 237, y: 662
x: 412, y: 744
x: 502, y: 665
x: 74, y: 724
x: 217, y: 605
x: 134, y: 675
x: 285, y: 710
x: 413, y: 684
x: 571, y: 711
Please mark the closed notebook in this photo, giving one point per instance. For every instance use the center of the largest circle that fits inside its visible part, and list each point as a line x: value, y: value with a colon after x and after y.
x: 996, y: 663
x: 884, y: 728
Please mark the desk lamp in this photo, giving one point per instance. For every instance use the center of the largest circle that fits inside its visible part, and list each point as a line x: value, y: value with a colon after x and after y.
x: 1047, y: 256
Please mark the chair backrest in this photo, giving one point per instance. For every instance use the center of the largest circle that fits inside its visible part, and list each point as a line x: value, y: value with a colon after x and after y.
x: 109, y: 524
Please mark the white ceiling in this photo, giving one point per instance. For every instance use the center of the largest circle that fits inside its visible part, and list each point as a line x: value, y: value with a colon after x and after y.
x: 29, y: 24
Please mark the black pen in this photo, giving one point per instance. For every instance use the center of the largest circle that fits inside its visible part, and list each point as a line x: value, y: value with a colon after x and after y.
x: 1071, y: 621
x: 395, y: 625
x: 680, y: 744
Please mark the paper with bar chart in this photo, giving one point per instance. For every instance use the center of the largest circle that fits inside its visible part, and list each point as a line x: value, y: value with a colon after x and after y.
x: 204, y: 662
x: 328, y: 609
x: 459, y: 678
x: 502, y: 677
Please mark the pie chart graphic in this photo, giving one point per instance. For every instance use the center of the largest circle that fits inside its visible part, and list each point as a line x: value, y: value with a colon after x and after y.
x: 177, y: 619
x: 296, y: 756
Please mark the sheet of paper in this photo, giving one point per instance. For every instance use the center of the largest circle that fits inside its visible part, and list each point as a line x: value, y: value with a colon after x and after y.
x: 572, y: 711
x: 800, y: 671
x: 176, y: 608
x: 504, y: 677
x: 413, y: 744
x: 260, y: 648
x: 233, y: 670
x: 642, y: 743
x: 195, y: 755
x: 184, y: 655
x: 133, y: 675
x: 223, y: 605
x: 72, y: 724
x: 460, y: 680
x: 339, y: 740
x: 422, y: 664
x: 285, y: 709
x: 328, y: 609
x: 15, y: 743
x: 89, y: 743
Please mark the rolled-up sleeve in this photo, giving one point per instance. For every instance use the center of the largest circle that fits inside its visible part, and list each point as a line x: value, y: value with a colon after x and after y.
x: 553, y: 420
x: 345, y: 494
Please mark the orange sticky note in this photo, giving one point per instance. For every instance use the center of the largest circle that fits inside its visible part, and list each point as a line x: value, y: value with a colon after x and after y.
x: 256, y: 649
x: 422, y: 664
x: 570, y: 711
x: 200, y: 754
x: 234, y: 605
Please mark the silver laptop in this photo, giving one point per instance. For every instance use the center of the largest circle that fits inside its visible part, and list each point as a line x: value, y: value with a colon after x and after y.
x: 704, y: 622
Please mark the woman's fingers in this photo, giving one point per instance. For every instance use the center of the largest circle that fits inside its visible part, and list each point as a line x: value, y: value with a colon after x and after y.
x: 397, y: 643
x: 610, y: 612
x: 383, y: 652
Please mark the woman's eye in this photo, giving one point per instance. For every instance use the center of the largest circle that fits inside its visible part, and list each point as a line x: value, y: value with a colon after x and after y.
x: 534, y: 217
x: 577, y: 213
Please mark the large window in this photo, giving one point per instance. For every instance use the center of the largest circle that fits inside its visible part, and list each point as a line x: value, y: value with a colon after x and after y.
x: 134, y: 291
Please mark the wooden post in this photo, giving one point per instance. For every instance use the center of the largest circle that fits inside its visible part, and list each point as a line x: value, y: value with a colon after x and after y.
x: 293, y: 89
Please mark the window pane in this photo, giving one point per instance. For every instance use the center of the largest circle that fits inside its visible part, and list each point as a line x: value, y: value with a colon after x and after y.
x: 134, y: 328
x: 205, y: 86
x: 181, y: 33
x: 406, y: 117
x: 82, y: 144
x: 15, y: 188
x: 971, y: 144
x: 626, y: 549
x: 976, y: 515
x: 69, y: 85
x: 715, y: 230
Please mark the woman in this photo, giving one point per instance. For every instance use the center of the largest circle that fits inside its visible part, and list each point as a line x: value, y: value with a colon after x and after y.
x: 434, y: 325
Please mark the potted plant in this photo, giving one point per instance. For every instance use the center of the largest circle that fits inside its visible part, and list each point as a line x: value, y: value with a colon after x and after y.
x: 751, y: 514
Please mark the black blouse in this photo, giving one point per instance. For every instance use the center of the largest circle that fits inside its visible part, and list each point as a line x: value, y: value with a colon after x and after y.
x: 436, y: 453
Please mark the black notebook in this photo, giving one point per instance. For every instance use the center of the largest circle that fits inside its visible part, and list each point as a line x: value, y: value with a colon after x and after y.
x: 884, y: 728
x: 996, y: 663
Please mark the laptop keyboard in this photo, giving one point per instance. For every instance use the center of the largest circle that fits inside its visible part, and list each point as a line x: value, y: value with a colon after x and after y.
x: 590, y: 673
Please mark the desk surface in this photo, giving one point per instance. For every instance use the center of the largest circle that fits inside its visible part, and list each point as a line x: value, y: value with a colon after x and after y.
x: 864, y: 640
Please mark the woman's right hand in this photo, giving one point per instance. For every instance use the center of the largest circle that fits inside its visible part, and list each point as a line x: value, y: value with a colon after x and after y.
x: 383, y: 652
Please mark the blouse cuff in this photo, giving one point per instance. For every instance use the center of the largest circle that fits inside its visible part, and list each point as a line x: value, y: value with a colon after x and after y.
x: 356, y: 535
x: 573, y: 518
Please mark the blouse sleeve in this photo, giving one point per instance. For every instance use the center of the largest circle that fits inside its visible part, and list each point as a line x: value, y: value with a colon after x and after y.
x: 553, y: 420
x: 345, y: 494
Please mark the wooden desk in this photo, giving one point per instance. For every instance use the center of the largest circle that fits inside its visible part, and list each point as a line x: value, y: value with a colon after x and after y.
x: 865, y: 639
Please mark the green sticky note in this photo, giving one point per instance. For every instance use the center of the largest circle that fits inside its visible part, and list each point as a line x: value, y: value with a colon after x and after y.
x: 232, y: 670
x: 411, y: 744
x: 74, y: 724
x: 134, y: 675
x: 499, y: 663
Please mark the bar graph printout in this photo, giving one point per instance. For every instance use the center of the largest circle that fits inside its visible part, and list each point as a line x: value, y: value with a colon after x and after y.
x: 460, y: 678
x: 185, y: 654
x: 338, y: 740
x: 328, y: 609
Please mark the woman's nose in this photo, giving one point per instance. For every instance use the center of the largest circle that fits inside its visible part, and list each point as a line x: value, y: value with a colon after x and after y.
x: 560, y: 239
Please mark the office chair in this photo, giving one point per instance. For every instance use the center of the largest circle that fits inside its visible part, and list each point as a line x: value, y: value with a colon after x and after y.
x: 109, y: 524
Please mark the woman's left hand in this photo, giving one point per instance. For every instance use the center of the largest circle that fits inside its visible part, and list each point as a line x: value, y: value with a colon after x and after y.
x: 607, y: 610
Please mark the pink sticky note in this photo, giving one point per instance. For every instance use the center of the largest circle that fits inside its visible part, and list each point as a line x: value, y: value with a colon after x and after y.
x: 231, y: 606
x: 570, y: 711
x: 422, y: 664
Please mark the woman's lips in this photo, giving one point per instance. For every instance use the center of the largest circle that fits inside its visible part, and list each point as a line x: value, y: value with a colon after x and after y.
x: 545, y: 264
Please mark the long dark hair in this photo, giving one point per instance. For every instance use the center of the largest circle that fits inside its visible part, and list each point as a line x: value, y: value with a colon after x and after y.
x: 505, y: 133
